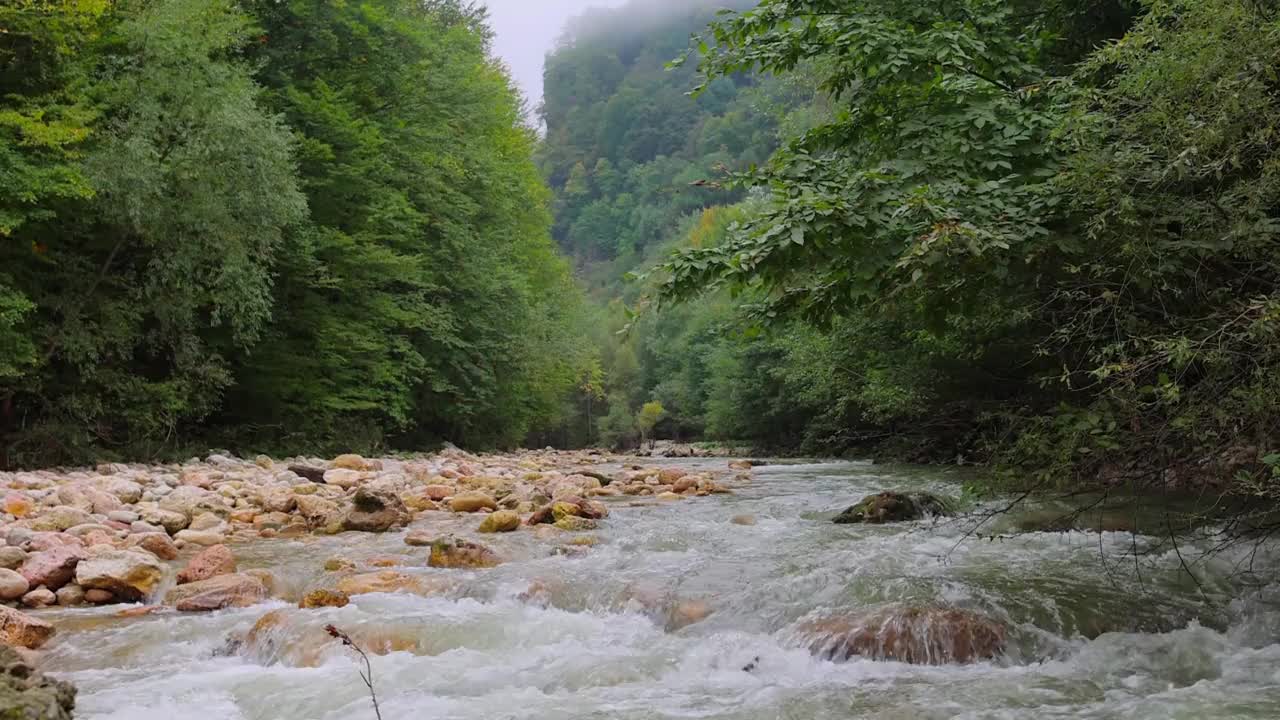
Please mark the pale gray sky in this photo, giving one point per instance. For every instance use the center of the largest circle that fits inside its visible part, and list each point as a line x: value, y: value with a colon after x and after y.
x: 527, y: 29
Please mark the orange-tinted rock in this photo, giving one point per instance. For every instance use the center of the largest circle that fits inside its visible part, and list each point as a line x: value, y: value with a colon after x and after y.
x: 456, y: 553
x: 926, y: 636
x: 22, y: 630
x: 324, y: 598
x: 210, y: 562
x: 218, y: 592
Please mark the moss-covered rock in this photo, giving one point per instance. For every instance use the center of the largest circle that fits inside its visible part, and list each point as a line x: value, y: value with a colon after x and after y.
x: 28, y: 695
x: 501, y: 521
x: 456, y: 553
x: 573, y: 523
x: 890, y: 506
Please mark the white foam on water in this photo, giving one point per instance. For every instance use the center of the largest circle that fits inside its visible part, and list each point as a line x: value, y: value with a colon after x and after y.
x: 1085, y: 639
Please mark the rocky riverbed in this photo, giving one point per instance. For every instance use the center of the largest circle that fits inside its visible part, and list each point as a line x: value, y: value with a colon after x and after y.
x: 567, y: 585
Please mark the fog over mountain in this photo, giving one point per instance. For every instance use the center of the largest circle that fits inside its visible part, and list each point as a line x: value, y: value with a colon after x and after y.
x: 527, y: 29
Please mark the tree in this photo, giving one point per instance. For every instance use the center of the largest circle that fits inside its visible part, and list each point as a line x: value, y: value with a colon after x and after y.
x: 648, y: 418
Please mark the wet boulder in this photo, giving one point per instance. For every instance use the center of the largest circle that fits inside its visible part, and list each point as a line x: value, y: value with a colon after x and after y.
x: 890, y: 506
x: 916, y: 635
x: 216, y: 593
x: 309, y: 472
x: 375, y: 510
x: 29, y: 695
x: 324, y: 598
x: 22, y: 630
x: 52, y: 568
x: 12, y: 585
x: 472, y: 502
x: 130, y: 575
x: 457, y: 553
x: 501, y: 521
x: 210, y: 562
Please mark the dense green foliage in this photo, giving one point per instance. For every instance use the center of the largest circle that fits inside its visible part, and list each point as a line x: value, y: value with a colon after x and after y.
x: 294, y: 225
x: 1008, y: 243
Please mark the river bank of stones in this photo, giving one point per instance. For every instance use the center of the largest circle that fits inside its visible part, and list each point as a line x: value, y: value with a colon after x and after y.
x: 133, y: 533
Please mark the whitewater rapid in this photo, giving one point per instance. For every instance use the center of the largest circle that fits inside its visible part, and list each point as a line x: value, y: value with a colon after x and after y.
x: 1092, y: 634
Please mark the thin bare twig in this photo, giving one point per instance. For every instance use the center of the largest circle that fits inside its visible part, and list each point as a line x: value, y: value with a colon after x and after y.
x: 367, y: 674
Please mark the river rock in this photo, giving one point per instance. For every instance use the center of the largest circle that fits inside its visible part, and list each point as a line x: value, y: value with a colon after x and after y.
x: 320, y: 513
x: 351, y: 461
x: 743, y: 520
x: 59, y: 519
x: 12, y: 585
x: 126, y: 491
x: 457, y: 553
x: 309, y: 472
x: 206, y: 538
x: 131, y: 575
x: 501, y: 521
x: 216, y: 593
x: 98, y: 596
x: 29, y: 695
x: 924, y: 636
x: 72, y: 595
x: 345, y: 479
x: 541, y: 516
x: 22, y: 630
x: 418, y: 501
x: 193, y: 501
x: 125, y: 517
x: 156, y: 543
x: 207, y: 521
x: 573, y: 523
x: 472, y: 502
x: 210, y: 562
x: 41, y: 597
x: 279, y: 500
x: 324, y: 598
x: 688, y: 612
x: 170, y: 520
x: 52, y: 568
x: 887, y: 507
x: 11, y: 558
x: 438, y: 492
x: 374, y: 510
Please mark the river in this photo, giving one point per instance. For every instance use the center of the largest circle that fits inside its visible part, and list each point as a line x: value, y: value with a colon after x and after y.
x: 1091, y: 634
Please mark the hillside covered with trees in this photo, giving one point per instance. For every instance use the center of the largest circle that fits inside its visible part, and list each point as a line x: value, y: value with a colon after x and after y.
x: 1039, y: 234
x: 255, y: 225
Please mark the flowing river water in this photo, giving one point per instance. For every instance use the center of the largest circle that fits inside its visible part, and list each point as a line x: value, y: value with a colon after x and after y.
x: 1091, y: 635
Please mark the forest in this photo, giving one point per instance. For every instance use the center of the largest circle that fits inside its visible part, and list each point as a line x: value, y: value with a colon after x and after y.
x: 253, y: 225
x: 1036, y: 236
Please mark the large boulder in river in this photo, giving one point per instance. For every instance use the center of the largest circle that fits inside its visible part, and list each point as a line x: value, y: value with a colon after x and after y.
x: 890, y: 506
x: 375, y: 510
x: 216, y: 593
x: 22, y: 630
x: 130, y: 575
x: 28, y: 695
x: 922, y: 636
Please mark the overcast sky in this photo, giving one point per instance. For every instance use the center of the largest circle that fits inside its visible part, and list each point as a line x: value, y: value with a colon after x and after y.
x: 527, y: 29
